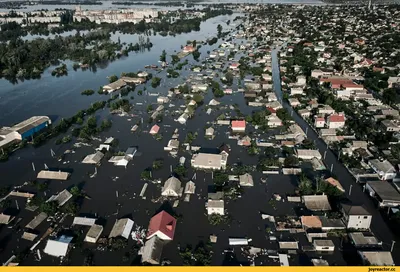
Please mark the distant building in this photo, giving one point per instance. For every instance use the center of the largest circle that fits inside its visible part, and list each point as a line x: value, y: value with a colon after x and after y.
x: 324, y: 245
x: 188, y: 49
x: 384, y: 193
x: 319, y: 122
x: 384, y: 169
x: 23, y: 130
x: 376, y: 258
x: 246, y: 180
x: 162, y: 225
x: 154, y: 130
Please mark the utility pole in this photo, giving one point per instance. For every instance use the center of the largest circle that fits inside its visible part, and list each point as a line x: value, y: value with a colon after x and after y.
x: 324, y: 154
x: 351, y: 186
x: 306, y: 130
x: 393, y: 242
x: 331, y: 167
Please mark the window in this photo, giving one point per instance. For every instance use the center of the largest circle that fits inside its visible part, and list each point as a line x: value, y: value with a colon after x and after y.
x: 365, y: 217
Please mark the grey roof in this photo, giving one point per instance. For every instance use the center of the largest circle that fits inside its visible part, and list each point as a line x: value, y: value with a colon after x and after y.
x: 360, y: 240
x: 84, y: 221
x: 30, y: 123
x: 354, y: 210
x: 94, y: 231
x: 171, y: 187
x: 385, y: 190
x: 216, y: 195
x: 384, y: 166
x: 152, y: 250
x: 36, y: 221
x: 61, y: 197
x: 29, y: 236
x: 122, y: 228
x: 317, y: 202
x: 93, y: 158
x: 215, y: 203
x: 5, y: 218
x: 379, y: 258
x: 324, y: 243
x: 45, y: 174
x: 319, y: 262
x: 246, y: 180
x: 331, y: 223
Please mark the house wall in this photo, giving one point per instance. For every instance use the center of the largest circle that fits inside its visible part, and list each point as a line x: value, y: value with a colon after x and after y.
x: 335, y: 124
x: 321, y: 248
x: 215, y: 210
x: 358, y: 221
x: 33, y: 130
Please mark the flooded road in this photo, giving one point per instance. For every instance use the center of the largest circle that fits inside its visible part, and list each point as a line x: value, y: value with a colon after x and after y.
x: 358, y: 197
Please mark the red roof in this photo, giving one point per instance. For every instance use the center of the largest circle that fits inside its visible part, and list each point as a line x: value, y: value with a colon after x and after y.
x: 320, y: 119
x: 271, y: 110
x: 155, y: 129
x: 336, y: 118
x: 239, y: 124
x: 164, y: 223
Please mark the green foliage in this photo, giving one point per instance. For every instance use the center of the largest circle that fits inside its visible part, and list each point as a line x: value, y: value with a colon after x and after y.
x: 200, y: 256
x: 158, y: 164
x: 328, y: 189
x: 155, y: 81
x: 220, y: 178
x: 163, y: 56
x: 118, y: 243
x: 4, y: 190
x: 180, y: 170
x: 145, y: 175
x: 175, y: 59
x: 190, y: 137
x: 229, y: 78
x: 196, y: 55
x: 112, y: 78
x: 71, y: 208
x: 291, y: 161
x: 49, y: 207
x: 149, y: 108
x: 87, y: 92
x: 217, y: 219
x: 216, y: 89
x: 305, y: 185
x: 198, y: 98
x: 75, y: 191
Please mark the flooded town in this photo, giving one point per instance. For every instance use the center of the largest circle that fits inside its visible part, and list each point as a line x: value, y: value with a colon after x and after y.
x: 199, y: 133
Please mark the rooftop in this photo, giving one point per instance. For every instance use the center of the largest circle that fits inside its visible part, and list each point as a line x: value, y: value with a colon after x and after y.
x: 360, y: 240
x: 385, y: 190
x: 378, y: 258
x: 317, y: 202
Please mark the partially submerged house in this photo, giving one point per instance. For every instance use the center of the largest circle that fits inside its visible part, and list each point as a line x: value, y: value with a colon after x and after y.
x: 215, y: 206
x: 93, y: 158
x: 56, y: 175
x: 376, y: 258
x: 317, y: 202
x: 122, y: 227
x: 36, y: 221
x: 172, y: 187
x: 154, y: 130
x: 61, y: 198
x: 246, y: 180
x: 5, y: 219
x: 84, y: 221
x: 162, y: 225
x: 384, y: 192
x: 94, y: 233
x: 152, y: 250
x: 356, y: 217
x: 58, y: 247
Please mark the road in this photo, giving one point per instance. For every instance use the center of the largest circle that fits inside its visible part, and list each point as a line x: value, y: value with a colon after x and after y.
x: 358, y: 197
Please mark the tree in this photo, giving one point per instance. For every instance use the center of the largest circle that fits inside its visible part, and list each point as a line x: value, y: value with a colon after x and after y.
x: 112, y: 78
x: 229, y: 78
x: 389, y: 96
x: 50, y: 207
x: 220, y: 178
x: 145, y: 175
x: 157, y: 164
x: 155, y: 81
x: 75, y: 191
x: 196, y: 55
x: 180, y: 170
x: 305, y: 185
x: 163, y: 56
x: 217, y: 219
x: 198, y: 98
x: 71, y: 208
x: 291, y: 161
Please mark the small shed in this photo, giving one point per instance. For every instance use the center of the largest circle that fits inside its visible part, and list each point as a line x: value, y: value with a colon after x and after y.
x: 29, y: 236
x: 5, y: 219
x: 56, y: 175
x: 84, y: 221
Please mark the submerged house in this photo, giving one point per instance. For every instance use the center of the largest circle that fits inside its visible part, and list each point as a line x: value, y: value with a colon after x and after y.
x: 162, y: 225
x: 58, y: 247
x: 122, y: 227
x: 172, y: 187
x: 152, y: 250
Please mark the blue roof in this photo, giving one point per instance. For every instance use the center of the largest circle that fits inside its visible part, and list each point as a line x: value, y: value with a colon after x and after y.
x: 65, y: 239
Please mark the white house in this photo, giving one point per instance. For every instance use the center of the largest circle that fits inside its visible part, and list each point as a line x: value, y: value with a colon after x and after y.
x: 301, y: 80
x: 326, y: 110
x: 58, y: 247
x: 215, y: 206
x: 356, y: 217
x: 273, y: 121
x: 172, y: 187
x: 308, y: 154
x: 94, y: 233
x: 324, y: 245
x: 183, y: 118
x: 122, y: 227
x: 295, y: 91
x: 335, y: 121
x: 209, y: 161
x: 384, y: 169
